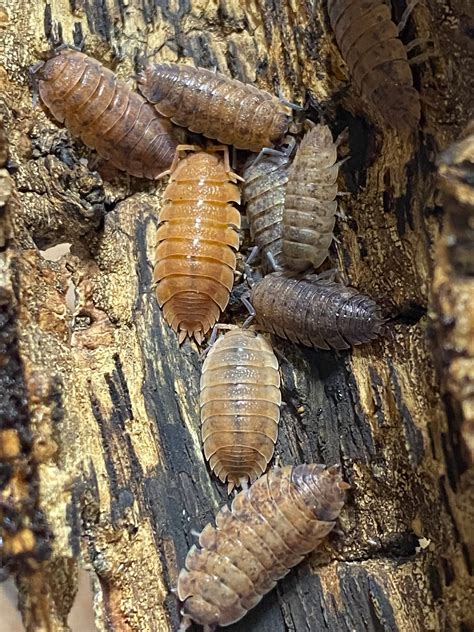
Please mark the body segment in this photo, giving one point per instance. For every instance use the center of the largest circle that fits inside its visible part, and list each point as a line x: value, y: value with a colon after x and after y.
x: 196, y: 242
x: 211, y: 104
x: 240, y: 406
x: 106, y: 115
x: 377, y: 59
x: 315, y: 312
x: 264, y: 195
x: 310, y: 201
x: 269, y: 529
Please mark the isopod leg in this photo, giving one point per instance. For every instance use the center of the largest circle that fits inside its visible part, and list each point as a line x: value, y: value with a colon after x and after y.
x: 249, y: 272
x: 411, y: 4
x: 64, y: 46
x: 179, y: 149
x: 251, y: 311
x: 271, y: 260
x: 292, y: 106
x: 33, y: 71
x: 339, y: 163
x: 418, y: 41
x: 290, y: 146
x: 421, y: 58
x: 338, y: 531
x: 329, y: 275
x: 213, y: 337
x: 343, y: 137
x: 269, y: 151
x: 210, y: 342
x: 252, y: 256
x: 341, y: 215
x: 225, y: 150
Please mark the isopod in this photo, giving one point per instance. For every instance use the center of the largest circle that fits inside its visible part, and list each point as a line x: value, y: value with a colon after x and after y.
x: 310, y: 201
x: 106, y: 115
x: 263, y: 193
x: 315, y: 312
x: 240, y: 406
x: 377, y: 59
x: 269, y: 529
x: 211, y: 104
x: 197, y: 240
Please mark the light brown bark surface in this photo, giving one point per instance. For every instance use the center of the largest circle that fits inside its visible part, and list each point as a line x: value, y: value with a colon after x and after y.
x: 110, y: 475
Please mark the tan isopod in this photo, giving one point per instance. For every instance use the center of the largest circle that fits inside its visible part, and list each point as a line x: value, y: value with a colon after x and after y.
x: 211, y: 104
x: 106, y: 114
x: 197, y: 240
x: 310, y: 201
x: 269, y: 529
x: 240, y: 406
x: 377, y: 59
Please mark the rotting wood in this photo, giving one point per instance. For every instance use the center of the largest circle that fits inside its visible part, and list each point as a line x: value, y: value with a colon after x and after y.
x: 454, y: 287
x: 128, y: 481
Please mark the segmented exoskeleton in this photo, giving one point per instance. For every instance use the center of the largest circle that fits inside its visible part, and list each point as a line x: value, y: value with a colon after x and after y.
x: 310, y: 201
x: 240, y: 406
x: 263, y: 193
x: 315, y: 312
x: 211, y: 104
x: 106, y: 115
x: 196, y: 241
x: 376, y: 58
x: 269, y: 529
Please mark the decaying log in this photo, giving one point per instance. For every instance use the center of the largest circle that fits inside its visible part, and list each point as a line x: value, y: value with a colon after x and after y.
x: 110, y: 470
x: 454, y: 287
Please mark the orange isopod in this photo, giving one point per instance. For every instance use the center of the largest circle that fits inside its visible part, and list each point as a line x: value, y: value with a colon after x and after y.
x: 240, y: 406
x: 197, y: 241
x: 106, y: 114
x: 269, y: 529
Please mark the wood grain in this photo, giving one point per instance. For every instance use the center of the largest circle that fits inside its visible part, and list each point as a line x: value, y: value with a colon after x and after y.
x: 121, y: 476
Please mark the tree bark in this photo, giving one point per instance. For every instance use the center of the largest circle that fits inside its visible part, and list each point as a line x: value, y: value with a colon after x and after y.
x: 109, y: 475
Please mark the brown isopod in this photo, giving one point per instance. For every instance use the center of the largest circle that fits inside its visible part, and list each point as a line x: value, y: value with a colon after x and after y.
x: 263, y: 193
x: 197, y: 240
x: 240, y: 406
x: 269, y: 529
x: 310, y: 201
x: 377, y: 59
x: 211, y: 104
x: 106, y: 114
x: 315, y: 312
